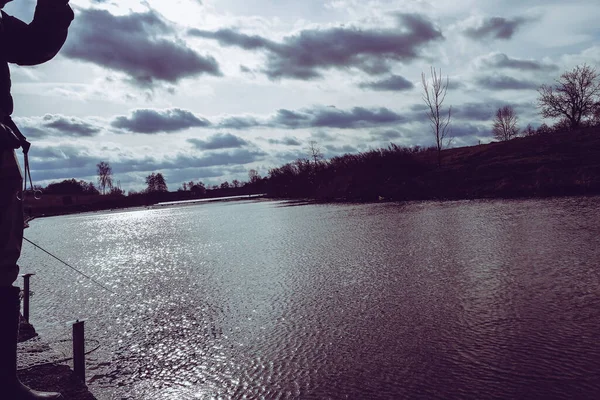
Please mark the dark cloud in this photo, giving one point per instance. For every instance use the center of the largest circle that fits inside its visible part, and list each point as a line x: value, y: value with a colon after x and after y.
x: 503, y: 82
x: 219, y: 141
x: 501, y: 60
x: 239, y: 123
x: 323, y: 136
x: 331, y: 117
x: 33, y: 132
x: 333, y: 150
x: 291, y: 119
x: 70, y: 126
x: 136, y: 44
x: 52, y: 125
x: 286, y: 141
x: 230, y: 37
x: 388, y: 134
x: 485, y: 111
x: 394, y: 83
x: 156, y: 121
x: 419, y: 107
x: 465, y: 130
x: 307, y: 54
x: 495, y: 28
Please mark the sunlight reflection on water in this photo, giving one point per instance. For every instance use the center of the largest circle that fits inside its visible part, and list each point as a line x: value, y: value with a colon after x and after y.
x: 261, y: 300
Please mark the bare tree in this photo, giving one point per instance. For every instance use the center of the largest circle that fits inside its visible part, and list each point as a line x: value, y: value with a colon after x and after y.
x: 314, y: 151
x: 253, y: 176
x: 595, y: 120
x: 543, y: 129
x: 434, y: 96
x: 104, y: 176
x: 505, y: 124
x: 573, y: 97
x: 529, y: 131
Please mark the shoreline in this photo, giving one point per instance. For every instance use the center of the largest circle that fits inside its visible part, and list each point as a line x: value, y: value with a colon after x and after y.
x: 301, y: 201
x: 45, y: 375
x: 29, y: 218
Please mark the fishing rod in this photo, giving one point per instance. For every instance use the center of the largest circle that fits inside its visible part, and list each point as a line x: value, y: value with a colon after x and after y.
x: 37, y: 195
x: 70, y: 266
x: 25, y: 145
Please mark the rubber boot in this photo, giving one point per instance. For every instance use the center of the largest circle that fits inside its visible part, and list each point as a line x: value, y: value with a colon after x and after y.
x: 11, y: 387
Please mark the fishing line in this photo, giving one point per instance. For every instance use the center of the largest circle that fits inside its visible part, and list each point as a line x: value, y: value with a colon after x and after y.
x: 70, y: 266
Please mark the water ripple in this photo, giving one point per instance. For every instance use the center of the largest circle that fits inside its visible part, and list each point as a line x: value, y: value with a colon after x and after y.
x: 485, y: 299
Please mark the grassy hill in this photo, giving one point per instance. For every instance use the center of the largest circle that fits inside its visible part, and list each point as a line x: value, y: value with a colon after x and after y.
x: 554, y: 164
x: 566, y: 163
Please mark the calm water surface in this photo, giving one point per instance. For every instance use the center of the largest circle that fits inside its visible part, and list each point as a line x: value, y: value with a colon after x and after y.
x: 473, y: 299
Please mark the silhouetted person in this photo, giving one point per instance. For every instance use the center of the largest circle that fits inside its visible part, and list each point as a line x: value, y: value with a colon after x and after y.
x: 20, y: 44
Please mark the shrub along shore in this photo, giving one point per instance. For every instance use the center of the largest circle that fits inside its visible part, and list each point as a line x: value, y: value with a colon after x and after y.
x: 556, y: 164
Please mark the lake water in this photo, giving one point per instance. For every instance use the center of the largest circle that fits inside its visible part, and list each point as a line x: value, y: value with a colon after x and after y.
x: 251, y: 300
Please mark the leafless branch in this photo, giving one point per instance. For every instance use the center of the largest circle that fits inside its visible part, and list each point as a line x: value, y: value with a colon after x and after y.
x: 505, y: 124
x: 434, y: 95
x: 573, y: 97
x: 314, y: 151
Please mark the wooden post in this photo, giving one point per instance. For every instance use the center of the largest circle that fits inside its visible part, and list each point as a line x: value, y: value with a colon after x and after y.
x: 79, y: 350
x: 26, y: 294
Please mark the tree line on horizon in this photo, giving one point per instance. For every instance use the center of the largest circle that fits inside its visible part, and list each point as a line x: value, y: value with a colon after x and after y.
x: 156, y: 184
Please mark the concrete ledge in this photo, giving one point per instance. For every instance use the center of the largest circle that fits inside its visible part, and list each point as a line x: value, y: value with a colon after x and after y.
x: 38, y: 368
x: 56, y: 378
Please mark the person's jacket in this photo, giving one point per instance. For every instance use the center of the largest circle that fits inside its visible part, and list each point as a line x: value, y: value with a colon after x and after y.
x: 29, y: 44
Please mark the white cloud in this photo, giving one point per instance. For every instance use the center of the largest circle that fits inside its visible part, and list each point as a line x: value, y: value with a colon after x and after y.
x: 590, y: 56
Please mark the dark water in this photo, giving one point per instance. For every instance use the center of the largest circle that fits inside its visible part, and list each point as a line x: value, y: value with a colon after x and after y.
x: 473, y: 300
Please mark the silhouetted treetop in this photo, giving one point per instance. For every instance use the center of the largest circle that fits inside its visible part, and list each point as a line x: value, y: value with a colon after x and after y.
x: 434, y: 95
x: 71, y: 187
x: 104, y: 172
x: 505, y: 124
x: 156, y: 183
x: 574, y: 97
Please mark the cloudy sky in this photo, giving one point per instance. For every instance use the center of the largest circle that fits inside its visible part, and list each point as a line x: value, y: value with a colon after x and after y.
x: 207, y: 89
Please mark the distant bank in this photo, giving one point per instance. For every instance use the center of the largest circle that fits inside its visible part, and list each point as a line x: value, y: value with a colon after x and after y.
x: 553, y: 164
x: 52, y: 205
x: 556, y: 164
x: 207, y: 200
